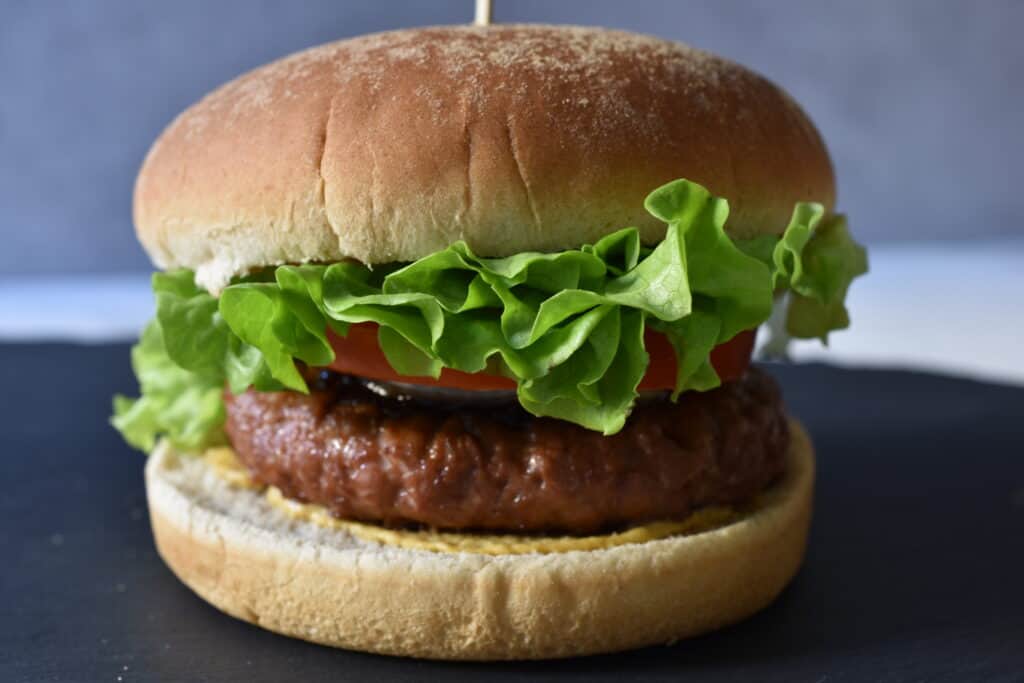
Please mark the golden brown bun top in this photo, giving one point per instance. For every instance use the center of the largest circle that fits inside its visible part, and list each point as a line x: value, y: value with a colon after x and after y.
x: 391, y: 146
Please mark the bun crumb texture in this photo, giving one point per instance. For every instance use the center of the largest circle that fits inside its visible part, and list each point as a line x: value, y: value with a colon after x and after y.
x: 391, y: 146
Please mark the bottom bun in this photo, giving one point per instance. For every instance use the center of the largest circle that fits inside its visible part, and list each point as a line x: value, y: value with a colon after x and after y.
x: 251, y: 560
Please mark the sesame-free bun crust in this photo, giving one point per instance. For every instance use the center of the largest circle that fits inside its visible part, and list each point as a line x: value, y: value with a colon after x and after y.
x: 514, y: 138
x: 251, y: 560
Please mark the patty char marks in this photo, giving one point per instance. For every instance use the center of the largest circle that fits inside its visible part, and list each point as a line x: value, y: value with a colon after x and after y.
x: 498, y: 468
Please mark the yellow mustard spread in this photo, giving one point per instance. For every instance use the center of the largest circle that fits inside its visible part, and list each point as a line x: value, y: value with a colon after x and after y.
x: 226, y: 465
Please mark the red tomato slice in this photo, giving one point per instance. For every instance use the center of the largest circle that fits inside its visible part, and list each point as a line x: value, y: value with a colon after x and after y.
x: 360, y: 354
x: 730, y: 359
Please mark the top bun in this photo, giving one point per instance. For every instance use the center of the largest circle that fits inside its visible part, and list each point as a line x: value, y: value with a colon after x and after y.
x: 513, y: 138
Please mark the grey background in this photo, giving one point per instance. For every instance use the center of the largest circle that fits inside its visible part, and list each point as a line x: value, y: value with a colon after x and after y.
x: 921, y: 102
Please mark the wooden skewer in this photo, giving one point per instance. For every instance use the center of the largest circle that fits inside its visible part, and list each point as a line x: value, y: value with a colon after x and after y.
x: 483, y: 13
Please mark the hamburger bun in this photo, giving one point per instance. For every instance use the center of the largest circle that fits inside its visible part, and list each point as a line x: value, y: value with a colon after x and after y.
x: 392, y: 146
x: 253, y: 561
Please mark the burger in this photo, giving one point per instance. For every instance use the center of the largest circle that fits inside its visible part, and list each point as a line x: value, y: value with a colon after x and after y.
x: 451, y: 353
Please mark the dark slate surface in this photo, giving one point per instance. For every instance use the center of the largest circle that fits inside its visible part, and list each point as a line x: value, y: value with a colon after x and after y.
x: 914, y: 570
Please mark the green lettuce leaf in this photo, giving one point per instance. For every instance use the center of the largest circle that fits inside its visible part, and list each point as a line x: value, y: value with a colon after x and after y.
x: 731, y: 290
x: 817, y: 259
x: 568, y: 327
x: 831, y: 261
x: 186, y: 406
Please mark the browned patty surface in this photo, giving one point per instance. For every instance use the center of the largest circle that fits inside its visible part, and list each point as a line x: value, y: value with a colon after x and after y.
x: 498, y: 468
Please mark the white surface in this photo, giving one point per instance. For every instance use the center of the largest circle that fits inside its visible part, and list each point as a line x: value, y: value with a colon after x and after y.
x: 88, y: 308
x: 955, y: 308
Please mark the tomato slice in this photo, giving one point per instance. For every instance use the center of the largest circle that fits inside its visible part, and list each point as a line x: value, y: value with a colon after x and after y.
x: 730, y: 359
x: 360, y: 354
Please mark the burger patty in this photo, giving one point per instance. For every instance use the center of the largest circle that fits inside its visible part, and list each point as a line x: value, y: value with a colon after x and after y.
x: 497, y: 468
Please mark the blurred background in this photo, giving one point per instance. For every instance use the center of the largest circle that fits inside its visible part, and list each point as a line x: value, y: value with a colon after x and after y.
x: 920, y: 102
